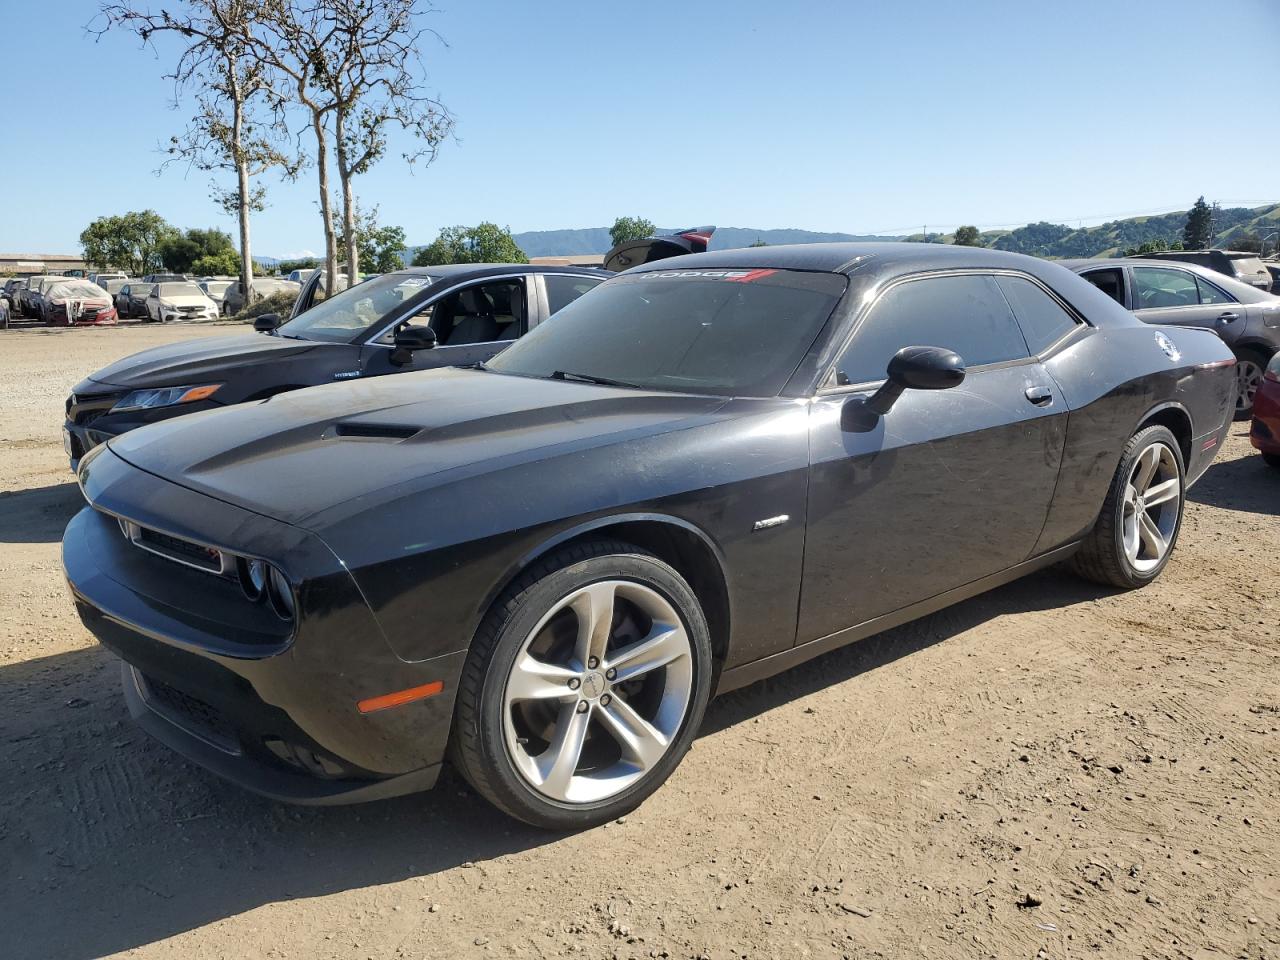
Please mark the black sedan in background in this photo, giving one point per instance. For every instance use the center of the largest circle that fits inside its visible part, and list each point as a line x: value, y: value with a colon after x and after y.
x: 1188, y: 295
x: 412, y: 319
x: 131, y: 299
x: 698, y: 474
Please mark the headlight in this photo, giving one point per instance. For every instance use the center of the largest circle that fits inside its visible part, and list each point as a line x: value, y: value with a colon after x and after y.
x: 164, y: 397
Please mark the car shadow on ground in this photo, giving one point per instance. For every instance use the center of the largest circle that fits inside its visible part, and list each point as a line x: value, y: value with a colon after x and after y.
x: 1247, y: 484
x: 39, y: 514
x: 108, y: 841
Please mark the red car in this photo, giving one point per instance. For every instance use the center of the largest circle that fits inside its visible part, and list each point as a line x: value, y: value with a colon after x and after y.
x: 78, y: 303
x: 1265, y: 433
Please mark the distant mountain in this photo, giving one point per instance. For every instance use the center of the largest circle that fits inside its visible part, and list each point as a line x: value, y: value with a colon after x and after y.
x: 1109, y: 239
x: 558, y: 243
x: 1038, y: 239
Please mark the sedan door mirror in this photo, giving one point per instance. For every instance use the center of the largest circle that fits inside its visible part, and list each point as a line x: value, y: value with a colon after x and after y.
x: 266, y: 322
x: 912, y: 368
x: 409, y: 339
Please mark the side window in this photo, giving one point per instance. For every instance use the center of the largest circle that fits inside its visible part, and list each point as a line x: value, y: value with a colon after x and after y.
x: 1211, y: 294
x: 1110, y: 282
x: 1156, y: 287
x: 1043, y: 320
x: 562, y: 291
x: 482, y: 313
x: 967, y: 314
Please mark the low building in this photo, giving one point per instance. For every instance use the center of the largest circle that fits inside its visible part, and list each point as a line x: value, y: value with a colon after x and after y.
x: 33, y: 264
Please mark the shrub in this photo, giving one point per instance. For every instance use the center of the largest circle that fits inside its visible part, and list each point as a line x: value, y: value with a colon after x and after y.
x: 281, y: 303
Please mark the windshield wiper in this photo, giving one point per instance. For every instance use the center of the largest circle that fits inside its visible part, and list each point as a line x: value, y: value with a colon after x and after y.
x: 588, y: 378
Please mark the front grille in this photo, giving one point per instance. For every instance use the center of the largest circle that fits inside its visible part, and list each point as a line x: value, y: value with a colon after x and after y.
x: 190, y: 309
x: 184, y: 551
x: 190, y: 713
x: 89, y: 313
x: 86, y: 408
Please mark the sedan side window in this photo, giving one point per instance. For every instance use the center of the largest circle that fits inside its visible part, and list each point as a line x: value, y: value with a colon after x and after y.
x: 967, y: 314
x: 1156, y: 287
x: 1211, y: 294
x: 481, y: 313
x: 1044, y: 321
x: 563, y: 290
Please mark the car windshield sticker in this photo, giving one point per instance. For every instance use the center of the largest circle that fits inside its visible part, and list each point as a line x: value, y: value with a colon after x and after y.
x: 416, y: 282
x: 732, y: 276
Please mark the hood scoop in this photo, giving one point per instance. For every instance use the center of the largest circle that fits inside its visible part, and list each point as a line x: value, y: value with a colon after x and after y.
x: 357, y: 430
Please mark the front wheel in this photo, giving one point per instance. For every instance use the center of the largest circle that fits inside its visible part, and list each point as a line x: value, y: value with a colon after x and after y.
x: 584, y: 687
x: 1141, y: 516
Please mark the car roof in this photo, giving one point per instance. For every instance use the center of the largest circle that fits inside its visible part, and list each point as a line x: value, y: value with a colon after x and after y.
x: 454, y: 271
x: 875, y: 260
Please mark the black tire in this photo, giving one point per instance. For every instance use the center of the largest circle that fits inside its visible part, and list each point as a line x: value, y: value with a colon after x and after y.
x: 1271, y: 460
x: 477, y: 746
x: 1249, y: 355
x: 1102, y: 557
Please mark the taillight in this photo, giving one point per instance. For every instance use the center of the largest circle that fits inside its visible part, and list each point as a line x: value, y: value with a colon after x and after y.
x: 1273, y: 369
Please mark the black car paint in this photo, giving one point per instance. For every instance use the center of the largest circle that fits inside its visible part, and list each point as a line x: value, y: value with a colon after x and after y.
x: 253, y: 366
x: 400, y: 509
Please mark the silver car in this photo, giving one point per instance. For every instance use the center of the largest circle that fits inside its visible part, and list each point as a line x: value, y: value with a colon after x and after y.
x: 1187, y: 295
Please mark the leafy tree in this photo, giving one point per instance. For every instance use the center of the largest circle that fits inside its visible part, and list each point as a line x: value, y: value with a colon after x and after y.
x: 483, y: 243
x: 968, y: 237
x: 1246, y: 241
x: 758, y: 243
x: 131, y: 240
x: 228, y: 132
x: 1198, y: 234
x: 381, y: 248
x: 353, y: 66
x: 181, y: 251
x: 631, y: 228
x: 225, y: 264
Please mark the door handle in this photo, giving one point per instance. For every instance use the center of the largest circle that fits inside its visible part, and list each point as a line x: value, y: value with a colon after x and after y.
x: 1040, y: 395
x: 1228, y: 316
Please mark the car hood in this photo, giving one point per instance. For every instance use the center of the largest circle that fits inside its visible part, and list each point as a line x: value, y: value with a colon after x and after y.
x: 186, y: 300
x: 298, y: 454
x: 198, y: 361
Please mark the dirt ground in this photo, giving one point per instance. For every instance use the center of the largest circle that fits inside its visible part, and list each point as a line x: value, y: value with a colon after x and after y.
x: 1050, y: 770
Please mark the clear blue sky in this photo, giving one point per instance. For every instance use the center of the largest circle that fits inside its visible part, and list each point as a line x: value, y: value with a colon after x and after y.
x: 846, y: 116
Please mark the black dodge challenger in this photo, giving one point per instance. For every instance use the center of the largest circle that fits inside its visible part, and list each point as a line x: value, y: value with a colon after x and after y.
x: 471, y: 312
x: 696, y: 475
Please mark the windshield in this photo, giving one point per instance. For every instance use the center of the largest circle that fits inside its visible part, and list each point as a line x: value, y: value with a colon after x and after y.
x: 728, y: 332
x: 179, y: 290
x: 362, y: 308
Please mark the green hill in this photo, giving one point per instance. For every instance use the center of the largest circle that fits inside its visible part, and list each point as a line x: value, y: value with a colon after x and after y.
x: 1108, y: 239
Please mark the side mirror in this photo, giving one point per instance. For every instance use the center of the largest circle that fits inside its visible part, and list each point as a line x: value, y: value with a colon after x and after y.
x: 912, y: 368
x: 409, y: 339
x: 266, y: 322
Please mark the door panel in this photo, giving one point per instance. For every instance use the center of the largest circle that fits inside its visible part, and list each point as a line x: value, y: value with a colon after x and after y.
x: 948, y: 487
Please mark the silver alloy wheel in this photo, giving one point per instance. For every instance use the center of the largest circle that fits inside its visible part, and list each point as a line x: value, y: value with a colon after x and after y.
x: 1152, y: 502
x: 598, y: 691
x: 1248, y: 377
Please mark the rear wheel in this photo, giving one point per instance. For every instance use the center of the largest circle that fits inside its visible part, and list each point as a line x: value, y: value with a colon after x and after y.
x: 1138, y: 527
x: 584, y: 687
x: 1250, y: 366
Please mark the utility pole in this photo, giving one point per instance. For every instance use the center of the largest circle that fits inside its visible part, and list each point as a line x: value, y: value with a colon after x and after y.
x: 1213, y: 224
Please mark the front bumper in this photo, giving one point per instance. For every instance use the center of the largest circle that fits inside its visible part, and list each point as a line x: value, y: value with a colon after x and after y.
x: 270, y: 707
x: 1264, y: 431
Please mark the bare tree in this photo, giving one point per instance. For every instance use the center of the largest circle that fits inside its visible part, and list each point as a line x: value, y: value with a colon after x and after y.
x: 355, y: 64
x: 226, y: 133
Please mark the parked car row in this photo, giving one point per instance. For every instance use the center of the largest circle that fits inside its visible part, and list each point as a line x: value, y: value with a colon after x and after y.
x: 602, y: 499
